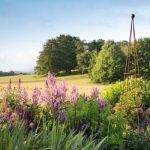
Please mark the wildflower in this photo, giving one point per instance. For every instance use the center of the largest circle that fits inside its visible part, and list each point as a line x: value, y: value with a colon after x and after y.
x: 42, y: 98
x: 24, y: 95
x: 51, y: 80
x: 102, y: 103
x: 20, y: 112
x: 95, y: 92
x: 35, y: 96
x: 62, y: 116
x: 62, y: 90
x: 56, y: 106
x: 9, y: 115
x: 74, y: 94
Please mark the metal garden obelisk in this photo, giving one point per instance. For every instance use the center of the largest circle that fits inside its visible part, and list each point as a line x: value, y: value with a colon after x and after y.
x: 132, y: 67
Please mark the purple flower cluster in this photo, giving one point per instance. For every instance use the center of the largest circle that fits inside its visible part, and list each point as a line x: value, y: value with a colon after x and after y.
x: 24, y: 95
x: 52, y: 96
x: 35, y: 96
x: 95, y: 93
x: 74, y: 94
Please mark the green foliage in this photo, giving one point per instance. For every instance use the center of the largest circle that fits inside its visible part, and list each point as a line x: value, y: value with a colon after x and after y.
x: 83, y: 61
x: 130, y: 113
x: 113, y: 93
x: 58, y: 54
x: 83, y: 113
x: 109, y: 65
x: 136, y: 93
x: 117, y: 129
x: 143, y: 48
x: 136, y: 142
x: 17, y: 137
x: 96, y: 45
x: 12, y: 100
x: 92, y: 62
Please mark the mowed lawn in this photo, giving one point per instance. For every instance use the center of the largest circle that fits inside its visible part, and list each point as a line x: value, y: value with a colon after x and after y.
x: 83, y: 83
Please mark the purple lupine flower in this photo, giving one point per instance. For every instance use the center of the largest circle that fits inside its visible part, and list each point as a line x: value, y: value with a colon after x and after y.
x: 46, y: 96
x: 51, y: 80
x: 35, y: 95
x: 62, y: 116
x: 146, y: 123
x: 74, y: 94
x: 19, y: 84
x: 9, y: 114
x: 56, y: 106
x: 62, y: 90
x: 54, y: 90
x: 42, y: 98
x: 20, y: 112
x: 102, y: 103
x: 9, y: 85
x: 95, y: 92
x: 24, y: 95
x: 83, y: 126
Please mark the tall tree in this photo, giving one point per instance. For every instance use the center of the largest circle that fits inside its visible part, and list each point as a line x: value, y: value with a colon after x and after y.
x: 57, y: 55
x: 143, y: 48
x: 96, y: 45
x: 83, y: 61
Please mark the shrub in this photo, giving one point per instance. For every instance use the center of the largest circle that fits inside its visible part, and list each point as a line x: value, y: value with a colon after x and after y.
x: 113, y: 93
x: 109, y: 65
x: 130, y: 111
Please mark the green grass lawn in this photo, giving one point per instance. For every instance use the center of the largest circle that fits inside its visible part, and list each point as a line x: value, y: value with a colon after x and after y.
x: 83, y: 83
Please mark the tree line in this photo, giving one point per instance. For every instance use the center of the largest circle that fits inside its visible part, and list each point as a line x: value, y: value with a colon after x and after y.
x: 103, y: 60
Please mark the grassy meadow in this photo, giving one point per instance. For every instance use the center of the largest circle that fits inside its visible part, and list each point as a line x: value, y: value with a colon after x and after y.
x: 83, y: 83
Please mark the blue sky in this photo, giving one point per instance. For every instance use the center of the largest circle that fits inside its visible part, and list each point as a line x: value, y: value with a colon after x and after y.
x: 25, y: 25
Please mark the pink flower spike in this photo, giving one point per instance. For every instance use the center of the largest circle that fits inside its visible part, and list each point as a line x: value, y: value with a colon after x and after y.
x: 51, y: 80
x: 74, y: 94
x: 35, y: 95
x: 42, y: 97
x: 63, y: 90
x: 95, y: 92
x: 24, y: 95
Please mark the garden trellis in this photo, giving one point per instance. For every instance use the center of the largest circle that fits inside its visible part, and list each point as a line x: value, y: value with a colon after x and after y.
x: 132, y: 46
